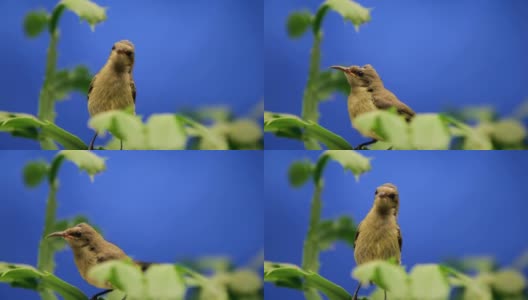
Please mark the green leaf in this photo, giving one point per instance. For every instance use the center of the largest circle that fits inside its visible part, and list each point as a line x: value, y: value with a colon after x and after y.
x: 35, y: 172
x: 276, y: 121
x: 162, y: 131
x: 378, y: 294
x: 244, y: 282
x: 473, y: 139
x: 299, y: 172
x: 212, y: 140
x: 116, y: 295
x: 30, y: 127
x: 481, y: 264
x: 217, y: 114
x: 211, y: 263
x: 349, y: 160
x: 386, y: 125
x: 325, y: 136
x: 385, y: 275
x: 428, y: 282
x: 122, y: 125
x: 165, y: 131
x: 292, y: 276
x: 28, y: 277
x: 340, y: 229
x: 86, y: 10
x: 122, y: 275
x: 284, y: 274
x: 164, y: 282
x: 473, y: 289
x: 286, y: 125
x: 214, y: 289
x: 508, y: 282
x: 170, y: 131
x: 474, y: 113
x: 63, y: 137
x: 349, y: 10
x: 26, y: 127
x: 66, y: 81
x: 35, y: 22
x: 85, y: 160
x: 298, y: 23
x: 429, y: 132
x: 244, y: 131
x: 478, y: 289
x: 508, y: 132
x: 294, y: 127
x: 379, y: 145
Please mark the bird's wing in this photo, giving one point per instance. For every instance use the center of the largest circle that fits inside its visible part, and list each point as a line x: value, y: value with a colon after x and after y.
x: 133, y: 87
x: 91, y: 87
x: 102, y: 257
x: 399, y: 238
x: 111, y: 252
x: 385, y: 100
x: 357, y: 234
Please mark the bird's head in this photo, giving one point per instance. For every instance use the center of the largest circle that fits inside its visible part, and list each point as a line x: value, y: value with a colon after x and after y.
x: 357, y: 76
x: 78, y: 236
x: 122, y: 56
x: 387, y: 199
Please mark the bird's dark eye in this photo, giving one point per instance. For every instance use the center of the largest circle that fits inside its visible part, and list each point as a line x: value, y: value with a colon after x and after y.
x: 360, y: 73
x: 76, y: 234
x: 129, y: 53
x: 392, y: 196
x: 113, y: 48
x: 376, y: 192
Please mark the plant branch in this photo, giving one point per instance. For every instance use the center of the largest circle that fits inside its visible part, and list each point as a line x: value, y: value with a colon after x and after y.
x: 310, y: 101
x: 45, y: 255
x: 46, y: 110
x: 310, y: 260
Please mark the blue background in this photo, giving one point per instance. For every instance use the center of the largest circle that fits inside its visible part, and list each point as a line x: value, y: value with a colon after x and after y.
x: 452, y: 204
x: 431, y: 54
x: 157, y: 206
x: 188, y: 54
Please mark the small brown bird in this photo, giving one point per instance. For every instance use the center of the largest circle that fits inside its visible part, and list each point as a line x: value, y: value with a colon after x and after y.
x: 113, y: 88
x: 90, y: 249
x: 367, y: 93
x: 378, y: 236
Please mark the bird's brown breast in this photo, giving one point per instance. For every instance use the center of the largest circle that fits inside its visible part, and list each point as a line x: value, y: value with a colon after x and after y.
x: 360, y: 102
x: 378, y: 240
x: 110, y: 93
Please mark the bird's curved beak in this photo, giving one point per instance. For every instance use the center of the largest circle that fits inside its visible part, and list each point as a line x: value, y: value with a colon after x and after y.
x: 340, y: 68
x: 57, y: 234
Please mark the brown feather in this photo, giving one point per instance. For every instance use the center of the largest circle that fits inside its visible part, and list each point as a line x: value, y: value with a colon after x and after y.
x: 385, y: 99
x: 91, y: 87
x: 133, y: 87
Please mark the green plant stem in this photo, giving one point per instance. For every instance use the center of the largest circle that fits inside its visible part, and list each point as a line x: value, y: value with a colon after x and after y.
x: 310, y: 260
x: 311, y: 248
x: 45, y: 255
x: 310, y: 101
x: 46, y: 110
